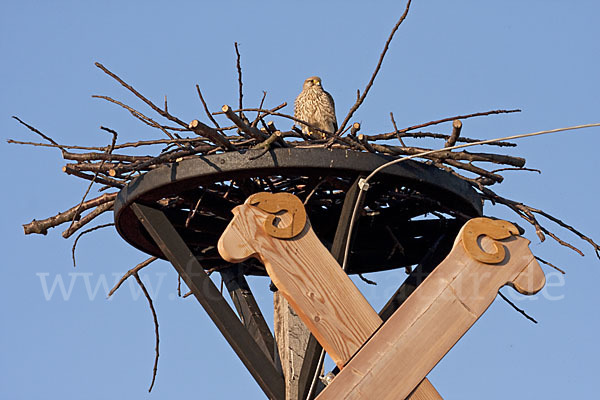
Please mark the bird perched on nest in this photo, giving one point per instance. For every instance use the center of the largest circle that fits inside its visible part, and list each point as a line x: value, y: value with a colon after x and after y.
x: 315, y: 106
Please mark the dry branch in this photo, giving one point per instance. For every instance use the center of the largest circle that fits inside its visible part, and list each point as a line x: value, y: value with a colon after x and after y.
x: 362, y: 97
x: 162, y: 113
x: 129, y: 273
x: 387, y: 136
x: 31, y: 128
x: 520, y: 311
x: 155, y: 318
x: 239, y: 70
x: 87, y: 218
x: 95, y: 228
x: 134, y: 272
x: 68, y: 169
x: 456, y: 128
x: 148, y: 121
x: 43, y: 225
x: 247, y: 129
x: 108, y: 151
x: 201, y: 129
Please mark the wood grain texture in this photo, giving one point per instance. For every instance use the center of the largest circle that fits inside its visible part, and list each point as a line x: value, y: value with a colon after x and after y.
x: 314, y: 284
x: 425, y: 391
x: 309, y: 278
x: 433, y: 319
x: 292, y: 339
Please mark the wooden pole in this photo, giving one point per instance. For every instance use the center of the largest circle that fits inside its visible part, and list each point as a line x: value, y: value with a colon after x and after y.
x: 292, y: 337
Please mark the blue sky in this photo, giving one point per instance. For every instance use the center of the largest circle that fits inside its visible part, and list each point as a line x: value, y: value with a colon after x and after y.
x: 448, y: 58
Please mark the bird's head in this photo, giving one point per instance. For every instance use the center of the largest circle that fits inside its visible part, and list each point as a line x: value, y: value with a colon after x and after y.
x: 313, y: 81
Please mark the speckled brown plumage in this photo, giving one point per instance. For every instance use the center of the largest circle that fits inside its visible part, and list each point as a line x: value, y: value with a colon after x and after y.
x: 315, y: 106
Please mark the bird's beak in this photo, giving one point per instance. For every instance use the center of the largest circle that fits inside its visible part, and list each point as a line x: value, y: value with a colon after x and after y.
x: 316, y: 82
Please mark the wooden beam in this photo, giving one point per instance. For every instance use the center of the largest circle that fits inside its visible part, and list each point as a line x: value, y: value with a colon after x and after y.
x: 439, y: 312
x: 308, y: 276
x: 208, y: 295
x: 425, y: 391
x: 432, y: 259
x: 338, y: 246
x: 248, y: 310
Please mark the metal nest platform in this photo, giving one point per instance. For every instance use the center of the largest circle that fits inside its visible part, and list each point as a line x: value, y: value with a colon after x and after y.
x: 408, y: 207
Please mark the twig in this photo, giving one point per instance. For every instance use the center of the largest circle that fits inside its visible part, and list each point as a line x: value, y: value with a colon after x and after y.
x: 313, y: 191
x: 526, y: 212
x: 88, y: 217
x: 129, y: 273
x: 354, y: 129
x: 147, y: 120
x: 360, y: 100
x: 139, y: 96
x: 260, y: 109
x: 239, y: 70
x: 117, y: 147
x: 516, y: 169
x: 456, y: 128
x: 386, y: 136
x: 370, y: 282
x: 214, y: 135
x: 249, y: 130
x: 258, y: 117
x: 83, y: 233
x: 212, y: 119
x: 550, y: 265
x: 43, y: 225
x: 102, y: 180
x: 48, y: 138
x: 445, y: 154
x: 192, y: 214
x: 266, y: 145
x: 569, y: 228
x: 396, y: 129
x: 362, y: 139
x: 154, y: 316
x: 108, y: 151
x: 513, y: 305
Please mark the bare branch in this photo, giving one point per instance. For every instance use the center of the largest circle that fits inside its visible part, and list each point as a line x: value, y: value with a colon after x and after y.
x: 212, y: 119
x: 108, y: 151
x: 456, y: 128
x: 83, y: 233
x: 396, y: 129
x: 162, y: 113
x: 239, y: 70
x: 87, y: 218
x: 31, y: 128
x: 360, y: 100
x: 42, y: 226
x: 129, y: 273
x: 513, y: 305
x: 154, y: 316
x: 386, y: 136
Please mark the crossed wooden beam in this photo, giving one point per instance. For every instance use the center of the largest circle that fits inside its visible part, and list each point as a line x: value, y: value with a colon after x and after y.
x: 379, y: 360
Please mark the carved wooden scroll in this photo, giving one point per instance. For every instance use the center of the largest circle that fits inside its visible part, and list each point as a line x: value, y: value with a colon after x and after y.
x: 274, y: 203
x: 397, y: 357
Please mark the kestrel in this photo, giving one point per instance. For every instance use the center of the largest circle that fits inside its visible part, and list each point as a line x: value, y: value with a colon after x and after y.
x: 315, y: 106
